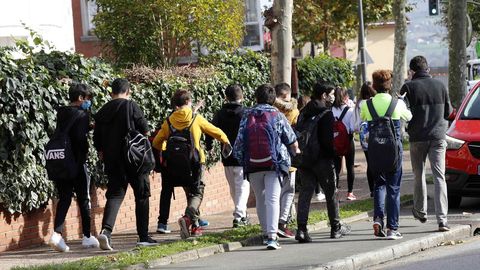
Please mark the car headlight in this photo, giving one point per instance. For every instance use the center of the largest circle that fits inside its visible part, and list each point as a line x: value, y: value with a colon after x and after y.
x: 453, y: 143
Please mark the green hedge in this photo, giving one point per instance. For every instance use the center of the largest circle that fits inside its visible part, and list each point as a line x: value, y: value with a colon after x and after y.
x: 32, y: 87
x: 336, y: 71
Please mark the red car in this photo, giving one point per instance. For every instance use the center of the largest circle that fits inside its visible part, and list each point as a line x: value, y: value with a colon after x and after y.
x: 463, y: 150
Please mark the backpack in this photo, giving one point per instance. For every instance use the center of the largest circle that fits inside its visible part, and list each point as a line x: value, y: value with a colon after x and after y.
x: 341, y: 138
x: 383, y: 148
x: 137, y: 148
x: 60, y: 160
x: 363, y: 134
x: 260, y: 141
x: 307, y: 137
x: 181, y: 159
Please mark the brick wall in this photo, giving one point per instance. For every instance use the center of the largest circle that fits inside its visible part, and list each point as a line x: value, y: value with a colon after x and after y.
x: 34, y: 228
x: 88, y: 47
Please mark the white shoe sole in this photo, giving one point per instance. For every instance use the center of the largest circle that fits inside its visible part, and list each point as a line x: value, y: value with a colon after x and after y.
x: 103, y: 241
x: 273, y: 247
x: 57, y: 248
x: 164, y: 231
x: 146, y: 244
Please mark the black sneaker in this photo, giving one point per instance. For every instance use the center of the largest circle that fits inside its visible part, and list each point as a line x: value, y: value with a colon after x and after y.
x: 418, y: 217
x: 146, y: 241
x: 443, y: 227
x: 302, y: 236
x: 240, y: 222
x: 378, y: 229
x: 340, y: 231
x: 105, y: 239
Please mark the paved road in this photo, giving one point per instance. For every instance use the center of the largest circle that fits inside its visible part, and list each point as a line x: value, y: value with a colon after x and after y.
x: 460, y: 256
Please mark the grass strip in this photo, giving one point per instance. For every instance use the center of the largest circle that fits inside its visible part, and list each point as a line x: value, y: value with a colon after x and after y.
x: 146, y: 254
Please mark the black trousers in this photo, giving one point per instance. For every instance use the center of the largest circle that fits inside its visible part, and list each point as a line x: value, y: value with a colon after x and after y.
x: 116, y: 190
x: 322, y: 173
x: 350, y: 162
x: 81, y: 187
x: 194, y: 197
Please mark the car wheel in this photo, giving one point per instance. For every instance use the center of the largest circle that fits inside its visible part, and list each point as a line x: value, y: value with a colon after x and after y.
x: 454, y: 201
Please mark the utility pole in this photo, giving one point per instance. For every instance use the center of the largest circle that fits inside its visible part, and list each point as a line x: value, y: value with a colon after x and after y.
x: 282, y: 41
x: 361, y: 43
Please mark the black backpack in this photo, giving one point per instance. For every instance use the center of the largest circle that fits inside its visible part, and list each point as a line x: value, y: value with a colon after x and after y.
x: 137, y: 149
x: 307, y: 137
x: 180, y: 159
x: 61, y: 163
x: 383, y: 148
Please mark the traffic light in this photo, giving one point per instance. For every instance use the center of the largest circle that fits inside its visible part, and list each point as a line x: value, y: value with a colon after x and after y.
x: 433, y: 7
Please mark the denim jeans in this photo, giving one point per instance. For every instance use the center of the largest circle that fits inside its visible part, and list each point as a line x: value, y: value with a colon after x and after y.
x: 387, y: 190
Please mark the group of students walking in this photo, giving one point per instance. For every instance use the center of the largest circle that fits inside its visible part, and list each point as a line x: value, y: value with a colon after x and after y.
x: 266, y: 148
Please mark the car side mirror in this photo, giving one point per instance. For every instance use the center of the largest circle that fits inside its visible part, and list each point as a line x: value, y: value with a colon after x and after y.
x: 452, y: 115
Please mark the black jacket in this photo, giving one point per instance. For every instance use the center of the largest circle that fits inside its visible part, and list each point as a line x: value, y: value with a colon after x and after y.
x: 78, y: 132
x: 428, y: 100
x: 325, y: 127
x: 228, y: 120
x: 110, y: 130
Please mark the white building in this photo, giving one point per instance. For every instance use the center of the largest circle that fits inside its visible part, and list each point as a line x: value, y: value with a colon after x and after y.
x: 52, y: 19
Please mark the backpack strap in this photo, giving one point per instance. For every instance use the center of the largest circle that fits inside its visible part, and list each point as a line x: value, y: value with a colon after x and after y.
x: 129, y: 119
x: 172, y: 129
x: 345, y: 110
x: 193, y: 120
x: 71, y: 122
x: 372, y: 110
x: 391, y: 107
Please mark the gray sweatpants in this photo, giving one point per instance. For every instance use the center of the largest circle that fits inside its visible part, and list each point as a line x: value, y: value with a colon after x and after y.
x: 266, y: 187
x: 435, y: 150
x: 286, y: 198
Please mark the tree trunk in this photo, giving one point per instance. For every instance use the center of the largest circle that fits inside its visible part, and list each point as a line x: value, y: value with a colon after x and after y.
x: 326, y: 43
x: 457, y: 35
x: 282, y: 42
x: 399, y: 59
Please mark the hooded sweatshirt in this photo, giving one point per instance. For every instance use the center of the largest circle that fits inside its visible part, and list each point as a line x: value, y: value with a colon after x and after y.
x: 228, y: 120
x: 180, y: 120
x: 325, y: 127
x: 110, y: 130
x: 78, y: 131
x: 289, y: 109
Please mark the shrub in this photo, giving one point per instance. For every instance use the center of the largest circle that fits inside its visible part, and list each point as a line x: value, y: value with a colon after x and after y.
x: 31, y: 88
x: 336, y: 71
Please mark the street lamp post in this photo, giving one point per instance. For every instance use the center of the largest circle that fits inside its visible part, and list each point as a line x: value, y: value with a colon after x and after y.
x: 361, y: 43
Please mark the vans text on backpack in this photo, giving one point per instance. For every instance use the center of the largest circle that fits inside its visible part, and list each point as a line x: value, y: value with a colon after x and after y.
x: 341, y: 139
x: 383, y: 147
x: 307, y: 136
x: 60, y: 160
x: 180, y: 159
x: 138, y: 150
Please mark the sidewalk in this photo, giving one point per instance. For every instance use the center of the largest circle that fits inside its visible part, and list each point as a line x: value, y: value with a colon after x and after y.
x: 219, y: 222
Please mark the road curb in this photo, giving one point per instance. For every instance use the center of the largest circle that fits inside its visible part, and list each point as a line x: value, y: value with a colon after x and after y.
x: 195, y: 254
x: 366, y: 259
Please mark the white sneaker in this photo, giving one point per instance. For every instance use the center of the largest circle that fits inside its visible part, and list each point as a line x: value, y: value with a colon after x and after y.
x: 90, y: 242
x: 320, y: 196
x: 57, y: 243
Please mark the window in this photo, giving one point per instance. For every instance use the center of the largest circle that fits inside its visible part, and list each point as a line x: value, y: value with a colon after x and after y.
x: 472, y: 110
x: 88, y: 10
x: 253, y: 26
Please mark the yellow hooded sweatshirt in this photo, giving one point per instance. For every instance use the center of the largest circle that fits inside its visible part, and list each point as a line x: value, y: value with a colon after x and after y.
x: 181, y: 119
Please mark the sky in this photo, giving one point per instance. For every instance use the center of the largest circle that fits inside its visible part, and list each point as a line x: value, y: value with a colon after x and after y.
x: 266, y: 3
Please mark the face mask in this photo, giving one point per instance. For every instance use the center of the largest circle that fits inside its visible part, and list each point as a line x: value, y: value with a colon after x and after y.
x: 86, y: 104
